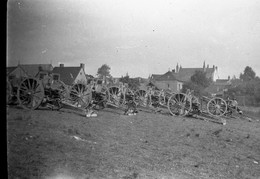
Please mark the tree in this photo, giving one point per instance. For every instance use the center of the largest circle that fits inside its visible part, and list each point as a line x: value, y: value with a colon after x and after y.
x: 104, y: 71
x: 248, y: 74
x: 201, y: 79
x: 133, y: 83
x: 247, y: 86
x: 198, y: 83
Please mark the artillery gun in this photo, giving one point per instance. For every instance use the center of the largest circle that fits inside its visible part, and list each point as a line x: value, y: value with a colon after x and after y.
x: 47, y: 91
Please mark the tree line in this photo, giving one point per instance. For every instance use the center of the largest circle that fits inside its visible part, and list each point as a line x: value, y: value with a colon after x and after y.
x: 247, y: 85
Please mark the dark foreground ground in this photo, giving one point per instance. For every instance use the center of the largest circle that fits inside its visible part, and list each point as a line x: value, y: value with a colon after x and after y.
x: 65, y: 144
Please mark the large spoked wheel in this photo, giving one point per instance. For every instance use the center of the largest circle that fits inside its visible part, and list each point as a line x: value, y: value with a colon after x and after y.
x: 80, y: 95
x: 217, y: 107
x: 179, y: 104
x: 140, y: 97
x: 30, y: 93
x: 115, y: 95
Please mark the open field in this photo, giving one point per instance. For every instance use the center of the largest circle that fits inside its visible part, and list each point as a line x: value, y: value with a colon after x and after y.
x: 66, y: 144
x: 251, y: 111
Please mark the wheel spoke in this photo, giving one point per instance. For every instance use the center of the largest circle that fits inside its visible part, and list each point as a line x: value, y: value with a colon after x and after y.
x: 23, y: 88
x: 33, y: 84
x: 29, y: 84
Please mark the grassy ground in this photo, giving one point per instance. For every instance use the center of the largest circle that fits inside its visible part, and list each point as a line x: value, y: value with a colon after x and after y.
x: 65, y: 144
x: 251, y: 111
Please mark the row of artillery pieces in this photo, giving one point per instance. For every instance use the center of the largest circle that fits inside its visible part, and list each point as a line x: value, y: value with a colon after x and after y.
x: 32, y: 93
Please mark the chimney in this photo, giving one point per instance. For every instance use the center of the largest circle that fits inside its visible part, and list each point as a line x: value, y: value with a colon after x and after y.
x: 208, y: 66
x: 82, y: 65
x: 173, y: 70
x: 213, y: 67
x: 204, y: 66
x: 228, y: 77
x: 177, y: 68
x: 61, y: 65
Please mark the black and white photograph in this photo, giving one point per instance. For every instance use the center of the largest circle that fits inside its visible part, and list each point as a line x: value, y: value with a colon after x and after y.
x: 133, y: 89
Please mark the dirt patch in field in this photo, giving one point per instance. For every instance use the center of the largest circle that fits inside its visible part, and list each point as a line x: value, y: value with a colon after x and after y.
x: 66, y: 144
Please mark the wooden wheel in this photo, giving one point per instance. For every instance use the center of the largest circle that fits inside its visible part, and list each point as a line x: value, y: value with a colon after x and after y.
x: 30, y: 93
x: 140, y: 97
x: 115, y: 95
x: 80, y: 95
x: 179, y: 104
x: 217, y: 106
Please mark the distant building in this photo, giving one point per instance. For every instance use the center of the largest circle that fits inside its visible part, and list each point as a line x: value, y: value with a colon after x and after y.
x: 219, y: 87
x: 174, y: 79
x: 71, y: 75
x: 32, y: 70
x: 27, y: 70
x: 185, y: 74
x: 167, y: 81
x: 89, y: 76
x: 15, y: 72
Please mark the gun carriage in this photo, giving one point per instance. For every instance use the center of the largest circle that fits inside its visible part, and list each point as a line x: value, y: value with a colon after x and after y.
x: 122, y: 97
x: 47, y: 90
x: 157, y: 100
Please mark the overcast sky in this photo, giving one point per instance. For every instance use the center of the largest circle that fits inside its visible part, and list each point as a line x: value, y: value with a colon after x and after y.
x: 140, y: 37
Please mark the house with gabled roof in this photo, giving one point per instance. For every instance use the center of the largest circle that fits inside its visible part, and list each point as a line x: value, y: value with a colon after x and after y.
x: 15, y: 72
x: 155, y: 76
x: 174, y: 79
x: 185, y: 74
x: 167, y: 81
x: 32, y: 70
x: 72, y: 74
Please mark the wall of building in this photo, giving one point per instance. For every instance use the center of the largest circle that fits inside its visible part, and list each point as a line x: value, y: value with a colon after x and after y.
x: 81, y: 77
x: 179, y: 86
x: 175, y: 86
